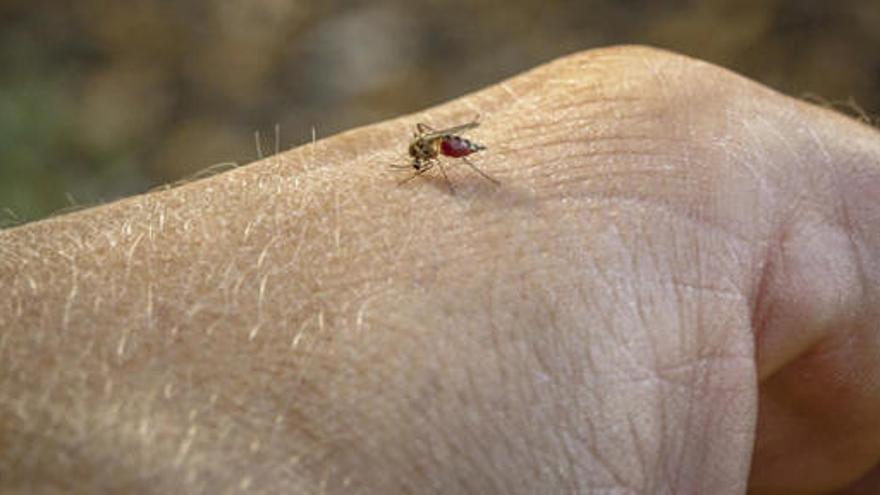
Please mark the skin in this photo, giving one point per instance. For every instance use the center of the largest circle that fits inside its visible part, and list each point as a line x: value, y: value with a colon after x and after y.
x: 674, y: 290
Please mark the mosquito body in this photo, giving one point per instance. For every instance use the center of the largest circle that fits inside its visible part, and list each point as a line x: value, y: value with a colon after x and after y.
x: 429, y: 145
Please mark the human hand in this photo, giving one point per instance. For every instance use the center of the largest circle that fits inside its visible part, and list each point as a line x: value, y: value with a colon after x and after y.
x: 674, y: 290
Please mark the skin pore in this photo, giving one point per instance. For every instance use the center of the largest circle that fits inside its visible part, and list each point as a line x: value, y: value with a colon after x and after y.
x: 673, y: 290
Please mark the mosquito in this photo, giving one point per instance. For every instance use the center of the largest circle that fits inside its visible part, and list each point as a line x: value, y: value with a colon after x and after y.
x: 429, y: 144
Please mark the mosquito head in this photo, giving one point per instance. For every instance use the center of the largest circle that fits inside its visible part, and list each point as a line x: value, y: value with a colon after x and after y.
x: 423, y: 149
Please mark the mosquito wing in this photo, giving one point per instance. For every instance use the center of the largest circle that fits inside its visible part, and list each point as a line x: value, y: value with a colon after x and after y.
x: 434, y: 134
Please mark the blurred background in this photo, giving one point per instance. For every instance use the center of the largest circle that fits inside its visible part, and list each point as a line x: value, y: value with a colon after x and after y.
x: 105, y: 98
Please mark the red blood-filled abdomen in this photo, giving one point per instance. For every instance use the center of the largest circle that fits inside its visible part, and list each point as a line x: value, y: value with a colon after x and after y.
x: 455, y: 147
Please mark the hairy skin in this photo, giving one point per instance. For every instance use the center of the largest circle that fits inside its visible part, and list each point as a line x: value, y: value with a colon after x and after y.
x: 674, y: 290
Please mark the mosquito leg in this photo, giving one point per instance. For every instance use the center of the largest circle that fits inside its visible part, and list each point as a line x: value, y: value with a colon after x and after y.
x: 424, y: 128
x: 424, y: 168
x: 411, y: 177
x: 484, y: 174
x: 446, y: 178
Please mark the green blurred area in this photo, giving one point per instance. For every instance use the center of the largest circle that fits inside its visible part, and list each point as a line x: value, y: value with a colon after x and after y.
x: 100, y: 98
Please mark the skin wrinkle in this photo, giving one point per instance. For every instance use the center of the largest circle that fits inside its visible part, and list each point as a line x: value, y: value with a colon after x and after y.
x: 563, y: 139
x: 848, y: 227
x: 567, y: 437
x: 655, y: 370
x: 567, y: 445
x: 643, y: 317
x: 780, y: 274
x: 598, y: 453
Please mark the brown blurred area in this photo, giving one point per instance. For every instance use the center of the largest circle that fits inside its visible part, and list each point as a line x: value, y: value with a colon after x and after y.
x: 105, y: 98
